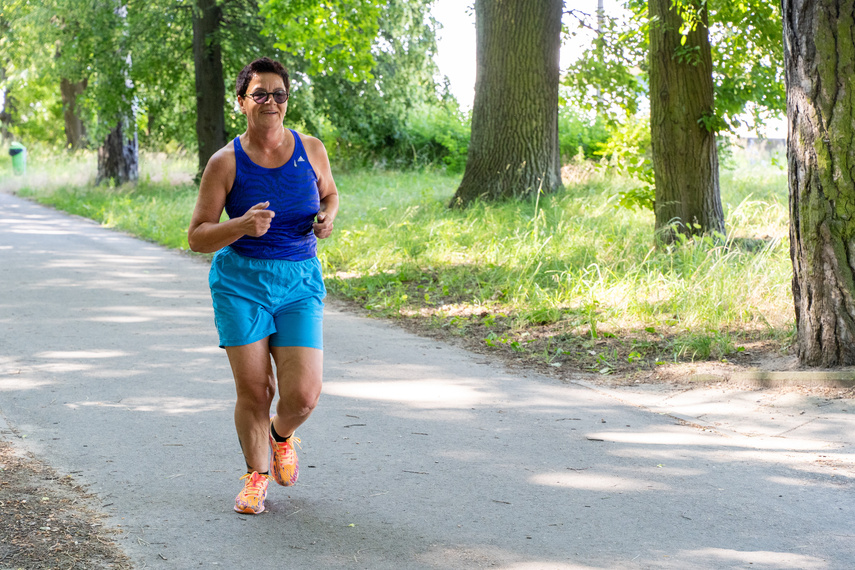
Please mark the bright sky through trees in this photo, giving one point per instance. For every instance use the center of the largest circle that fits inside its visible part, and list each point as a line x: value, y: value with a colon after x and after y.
x: 456, y: 48
x: 456, y: 43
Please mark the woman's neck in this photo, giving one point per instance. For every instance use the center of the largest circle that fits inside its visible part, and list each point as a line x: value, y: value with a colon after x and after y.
x: 267, y: 140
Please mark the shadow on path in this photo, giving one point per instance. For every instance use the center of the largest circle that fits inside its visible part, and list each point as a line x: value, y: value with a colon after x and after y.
x: 418, y: 456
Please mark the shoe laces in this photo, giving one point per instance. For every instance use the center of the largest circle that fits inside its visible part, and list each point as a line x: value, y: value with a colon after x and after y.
x: 292, y: 440
x: 254, y: 487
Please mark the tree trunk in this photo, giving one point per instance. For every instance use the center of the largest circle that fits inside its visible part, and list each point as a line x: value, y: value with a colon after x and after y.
x: 118, y: 157
x: 210, y: 87
x: 685, y: 159
x: 513, y: 149
x: 5, y: 115
x: 819, y: 58
x: 75, y: 131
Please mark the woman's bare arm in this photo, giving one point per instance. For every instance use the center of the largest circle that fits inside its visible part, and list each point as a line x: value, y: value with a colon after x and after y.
x: 206, y: 233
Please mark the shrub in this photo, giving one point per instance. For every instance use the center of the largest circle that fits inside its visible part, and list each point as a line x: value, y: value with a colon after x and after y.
x: 577, y: 132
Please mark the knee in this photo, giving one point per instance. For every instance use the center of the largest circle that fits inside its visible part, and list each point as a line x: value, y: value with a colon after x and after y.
x: 258, y: 396
x: 301, y: 402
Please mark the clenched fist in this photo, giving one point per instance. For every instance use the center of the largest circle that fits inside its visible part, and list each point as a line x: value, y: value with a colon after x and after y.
x: 257, y: 220
x: 323, y: 227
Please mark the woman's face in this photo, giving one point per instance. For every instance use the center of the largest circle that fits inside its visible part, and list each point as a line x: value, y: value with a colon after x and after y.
x: 267, y: 114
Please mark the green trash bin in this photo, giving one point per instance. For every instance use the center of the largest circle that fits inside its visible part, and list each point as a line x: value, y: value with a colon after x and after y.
x: 18, y: 152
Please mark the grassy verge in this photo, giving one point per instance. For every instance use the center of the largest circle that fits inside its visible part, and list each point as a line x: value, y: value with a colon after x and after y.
x: 563, y: 281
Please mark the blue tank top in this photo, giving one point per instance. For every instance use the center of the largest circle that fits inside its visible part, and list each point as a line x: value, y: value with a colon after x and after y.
x: 292, y: 190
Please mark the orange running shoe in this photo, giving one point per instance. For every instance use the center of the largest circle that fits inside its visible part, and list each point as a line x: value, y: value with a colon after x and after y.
x: 284, y: 466
x: 250, y: 501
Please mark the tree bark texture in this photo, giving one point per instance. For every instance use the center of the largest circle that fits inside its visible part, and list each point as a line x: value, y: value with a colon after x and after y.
x: 118, y: 157
x: 75, y: 131
x: 685, y: 159
x: 210, y: 87
x: 819, y: 59
x: 513, y: 148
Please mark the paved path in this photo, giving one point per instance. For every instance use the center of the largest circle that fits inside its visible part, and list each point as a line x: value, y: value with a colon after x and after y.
x: 419, y: 455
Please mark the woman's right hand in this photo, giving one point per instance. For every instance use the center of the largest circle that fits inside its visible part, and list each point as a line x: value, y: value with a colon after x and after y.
x: 256, y: 221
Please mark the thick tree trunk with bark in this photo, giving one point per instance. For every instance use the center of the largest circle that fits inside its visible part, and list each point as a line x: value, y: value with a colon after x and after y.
x: 819, y: 58
x: 513, y: 149
x: 210, y: 87
x: 685, y: 159
x: 118, y: 157
x: 75, y: 131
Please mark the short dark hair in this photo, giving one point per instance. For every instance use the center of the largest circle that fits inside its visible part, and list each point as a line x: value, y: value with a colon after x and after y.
x: 261, y: 65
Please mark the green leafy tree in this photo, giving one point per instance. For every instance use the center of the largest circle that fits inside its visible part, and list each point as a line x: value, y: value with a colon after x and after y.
x: 205, y: 43
x: 118, y: 155
x: 332, y: 37
x: 64, y: 44
x: 746, y: 75
x: 612, y: 75
x: 682, y: 121
x: 359, y: 69
x: 748, y: 61
x: 226, y: 35
x: 32, y: 108
x: 163, y: 73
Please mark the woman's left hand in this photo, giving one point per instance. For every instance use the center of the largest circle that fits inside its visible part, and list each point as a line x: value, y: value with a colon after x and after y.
x: 323, y: 227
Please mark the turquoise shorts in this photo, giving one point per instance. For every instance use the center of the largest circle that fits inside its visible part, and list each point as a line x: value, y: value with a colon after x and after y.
x: 259, y: 298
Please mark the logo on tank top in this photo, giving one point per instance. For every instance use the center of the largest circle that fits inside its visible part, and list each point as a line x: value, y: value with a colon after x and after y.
x: 300, y: 159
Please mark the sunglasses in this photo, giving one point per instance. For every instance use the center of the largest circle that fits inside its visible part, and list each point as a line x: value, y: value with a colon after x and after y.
x: 261, y: 97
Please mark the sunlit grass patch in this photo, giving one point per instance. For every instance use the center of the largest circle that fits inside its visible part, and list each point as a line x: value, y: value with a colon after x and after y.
x: 572, y: 266
x: 158, y: 211
x: 46, y: 169
x: 567, y: 280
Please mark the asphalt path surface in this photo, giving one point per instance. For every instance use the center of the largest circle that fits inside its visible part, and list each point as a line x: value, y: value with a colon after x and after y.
x: 419, y: 455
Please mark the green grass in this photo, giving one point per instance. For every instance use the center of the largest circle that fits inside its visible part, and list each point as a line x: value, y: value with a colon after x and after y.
x: 568, y: 278
x: 573, y: 254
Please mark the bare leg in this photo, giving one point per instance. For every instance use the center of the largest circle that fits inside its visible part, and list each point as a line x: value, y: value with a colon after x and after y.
x: 299, y: 371
x: 255, y: 386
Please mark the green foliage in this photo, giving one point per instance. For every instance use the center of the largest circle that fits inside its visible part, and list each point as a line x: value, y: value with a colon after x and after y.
x: 33, y: 108
x: 119, y: 48
x: 37, y: 112
x: 748, y: 60
x: 712, y: 123
x: 163, y: 75
x: 627, y: 152
x: 331, y: 38
x: 690, y: 55
x: 611, y: 75
x: 577, y: 133
x: 439, y: 136
x: 368, y: 109
x: 359, y: 69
